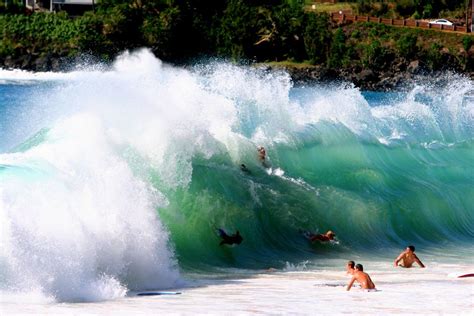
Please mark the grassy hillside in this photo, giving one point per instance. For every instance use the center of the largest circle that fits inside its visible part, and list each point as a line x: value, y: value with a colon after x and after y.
x: 241, y: 30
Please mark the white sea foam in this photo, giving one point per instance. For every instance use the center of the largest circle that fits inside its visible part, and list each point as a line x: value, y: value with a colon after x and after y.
x: 86, y: 230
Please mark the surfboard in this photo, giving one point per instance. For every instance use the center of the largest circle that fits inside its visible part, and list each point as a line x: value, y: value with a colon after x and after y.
x: 458, y: 275
x: 469, y: 275
x: 157, y: 293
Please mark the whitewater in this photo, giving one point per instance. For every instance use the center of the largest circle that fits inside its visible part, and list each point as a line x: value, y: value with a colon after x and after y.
x: 115, y: 178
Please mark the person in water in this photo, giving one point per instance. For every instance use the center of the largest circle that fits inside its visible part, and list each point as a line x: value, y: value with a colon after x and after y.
x: 328, y: 236
x: 244, y: 168
x: 350, y: 267
x: 262, y: 154
x: 361, y: 277
x: 229, y: 239
x: 407, y: 258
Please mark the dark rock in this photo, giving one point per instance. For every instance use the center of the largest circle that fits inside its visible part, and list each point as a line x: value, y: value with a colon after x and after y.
x: 414, y: 67
x: 42, y: 63
x: 9, y: 62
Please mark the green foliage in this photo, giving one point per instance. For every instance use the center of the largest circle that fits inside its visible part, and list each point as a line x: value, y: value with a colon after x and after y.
x: 55, y: 31
x: 364, y: 6
x: 90, y: 37
x: 12, y: 6
x: 427, y: 8
x: 257, y: 30
x: 338, y: 53
x: 406, y: 45
x: 158, y: 30
x: 288, y: 27
x: 375, y: 55
x: 382, y: 10
x: 434, y: 56
x: 356, y: 34
x: 467, y: 42
x: 427, y: 11
x: 239, y: 26
x: 405, y: 8
x: 317, y: 37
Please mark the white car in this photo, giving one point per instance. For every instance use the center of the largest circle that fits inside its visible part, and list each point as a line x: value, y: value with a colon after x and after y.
x: 442, y: 22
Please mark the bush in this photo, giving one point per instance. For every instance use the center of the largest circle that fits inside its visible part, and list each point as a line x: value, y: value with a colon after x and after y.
x: 375, y: 56
x: 338, y: 52
x: 427, y: 11
x: 405, y: 7
x: 317, y: 37
x: 407, y: 45
x: 237, y: 34
x: 467, y: 42
x: 158, y: 32
x: 434, y: 56
x: 288, y: 24
x: 364, y: 6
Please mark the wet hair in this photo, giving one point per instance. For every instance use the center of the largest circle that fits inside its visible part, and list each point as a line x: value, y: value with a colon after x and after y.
x: 351, y: 264
x: 359, y: 267
x: 412, y: 248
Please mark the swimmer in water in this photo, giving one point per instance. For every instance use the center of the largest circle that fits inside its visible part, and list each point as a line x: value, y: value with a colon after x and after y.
x: 361, y: 277
x: 407, y: 258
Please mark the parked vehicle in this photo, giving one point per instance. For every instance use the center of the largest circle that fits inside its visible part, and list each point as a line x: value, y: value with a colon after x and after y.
x: 442, y: 22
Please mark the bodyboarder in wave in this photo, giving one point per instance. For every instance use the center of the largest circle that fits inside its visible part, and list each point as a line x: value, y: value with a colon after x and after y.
x: 328, y: 236
x: 229, y: 239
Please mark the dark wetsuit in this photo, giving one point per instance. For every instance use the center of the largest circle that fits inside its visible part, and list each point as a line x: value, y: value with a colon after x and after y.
x: 230, y: 239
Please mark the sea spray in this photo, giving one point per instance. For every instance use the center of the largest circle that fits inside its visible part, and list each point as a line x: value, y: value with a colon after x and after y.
x: 84, y: 227
x: 141, y: 169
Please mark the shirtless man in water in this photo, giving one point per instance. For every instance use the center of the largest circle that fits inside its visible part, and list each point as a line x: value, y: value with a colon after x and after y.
x: 350, y: 267
x: 361, y: 277
x: 407, y: 258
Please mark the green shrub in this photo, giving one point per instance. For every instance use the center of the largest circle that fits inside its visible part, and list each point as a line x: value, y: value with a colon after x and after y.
x: 364, y: 6
x: 288, y: 27
x: 405, y: 8
x: 406, y: 45
x: 317, y: 37
x: 434, y: 56
x: 356, y: 34
x: 467, y: 42
x: 375, y: 56
x: 238, y: 29
x: 338, y: 52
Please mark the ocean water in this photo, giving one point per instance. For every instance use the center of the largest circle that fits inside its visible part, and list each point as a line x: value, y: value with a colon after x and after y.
x: 114, y: 179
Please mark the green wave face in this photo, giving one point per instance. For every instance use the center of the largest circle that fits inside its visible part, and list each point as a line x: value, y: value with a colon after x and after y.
x: 372, y: 196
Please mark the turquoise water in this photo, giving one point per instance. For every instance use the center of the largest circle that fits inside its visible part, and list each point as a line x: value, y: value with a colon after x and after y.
x: 94, y: 155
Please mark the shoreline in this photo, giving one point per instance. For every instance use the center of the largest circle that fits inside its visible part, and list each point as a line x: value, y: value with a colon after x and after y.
x: 400, y: 77
x: 397, y: 79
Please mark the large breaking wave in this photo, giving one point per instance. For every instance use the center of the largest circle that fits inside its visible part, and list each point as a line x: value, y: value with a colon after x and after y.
x: 112, y: 177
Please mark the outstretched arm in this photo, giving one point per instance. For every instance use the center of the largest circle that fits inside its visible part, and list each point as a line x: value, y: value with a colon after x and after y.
x: 350, y: 284
x: 419, y: 261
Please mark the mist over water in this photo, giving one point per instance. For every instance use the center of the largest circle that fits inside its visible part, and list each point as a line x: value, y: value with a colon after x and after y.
x: 113, y: 179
